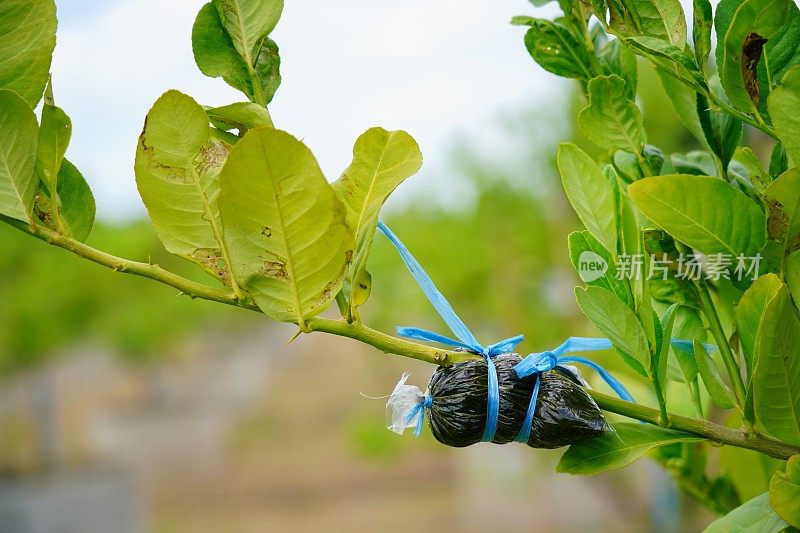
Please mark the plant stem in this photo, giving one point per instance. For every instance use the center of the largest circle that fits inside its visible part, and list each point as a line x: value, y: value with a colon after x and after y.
x: 734, y: 372
x: 744, y: 117
x: 714, y: 432
x: 388, y: 344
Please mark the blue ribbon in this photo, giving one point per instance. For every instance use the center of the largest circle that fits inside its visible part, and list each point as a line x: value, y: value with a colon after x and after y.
x: 466, y: 340
x: 419, y: 410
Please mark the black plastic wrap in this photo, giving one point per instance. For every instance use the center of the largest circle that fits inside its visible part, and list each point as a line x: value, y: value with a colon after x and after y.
x: 564, y: 414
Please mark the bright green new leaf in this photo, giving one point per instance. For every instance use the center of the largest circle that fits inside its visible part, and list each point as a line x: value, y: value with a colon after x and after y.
x: 783, y: 103
x: 784, y: 492
x: 706, y: 213
x: 242, y: 116
x: 750, y: 314
x: 617, y: 450
x: 54, y: 136
x: 701, y: 30
x: 719, y: 391
x: 216, y: 56
x: 286, y: 231
x: 557, y: 50
x: 596, y: 266
x: 753, y: 24
x: 382, y: 160
x: 589, y: 192
x: 776, y: 380
x: 27, y: 41
x: 177, y: 173
x: 19, y: 132
x: 754, y: 516
x: 611, y: 120
x: 617, y: 322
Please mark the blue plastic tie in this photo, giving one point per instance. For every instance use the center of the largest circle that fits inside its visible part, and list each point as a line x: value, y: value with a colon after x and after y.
x: 419, y: 411
x: 466, y: 340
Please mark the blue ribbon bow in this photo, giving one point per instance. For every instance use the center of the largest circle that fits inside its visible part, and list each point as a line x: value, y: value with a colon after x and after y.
x: 466, y: 339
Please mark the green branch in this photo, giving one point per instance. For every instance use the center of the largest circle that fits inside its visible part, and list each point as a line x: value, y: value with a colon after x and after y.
x: 741, y: 438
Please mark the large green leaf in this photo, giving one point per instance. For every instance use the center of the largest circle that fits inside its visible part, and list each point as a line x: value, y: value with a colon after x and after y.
x: 662, y: 19
x: 612, y: 451
x: 177, y: 173
x: 19, y: 132
x: 784, y: 492
x: 750, y: 313
x: 611, y: 120
x: 27, y: 41
x: 753, y: 24
x: 704, y: 212
x: 54, y: 136
x: 754, y: 516
x: 217, y: 55
x: 285, y: 229
x: 776, y: 380
x: 617, y: 322
x: 382, y: 160
x: 557, y: 50
x: 783, y: 103
x: 589, y: 192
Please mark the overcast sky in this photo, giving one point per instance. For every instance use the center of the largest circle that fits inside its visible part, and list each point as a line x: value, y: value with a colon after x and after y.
x: 446, y: 71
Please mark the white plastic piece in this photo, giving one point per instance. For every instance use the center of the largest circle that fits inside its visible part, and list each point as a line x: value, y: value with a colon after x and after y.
x: 402, y: 400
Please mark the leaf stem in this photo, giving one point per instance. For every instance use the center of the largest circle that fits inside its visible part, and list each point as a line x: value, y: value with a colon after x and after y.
x: 744, y: 117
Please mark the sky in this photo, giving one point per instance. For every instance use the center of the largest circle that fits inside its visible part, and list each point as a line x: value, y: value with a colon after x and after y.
x: 448, y: 72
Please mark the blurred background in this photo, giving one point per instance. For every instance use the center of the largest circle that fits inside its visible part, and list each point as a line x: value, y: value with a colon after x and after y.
x: 125, y: 407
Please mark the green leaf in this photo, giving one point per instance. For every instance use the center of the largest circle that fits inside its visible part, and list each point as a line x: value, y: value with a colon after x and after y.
x: 177, y: 172
x: 617, y: 322
x: 782, y: 197
x: 783, y: 103
x: 776, y: 380
x: 216, y: 56
x: 696, y: 162
x: 557, y: 50
x: 669, y: 58
x: 684, y: 102
x: 754, y: 516
x: 660, y: 361
x: 654, y: 18
x: 753, y: 24
x: 589, y: 192
x: 611, y: 120
x: 242, y: 116
x: 720, y: 392
x: 248, y: 22
x: 54, y: 136
x: 706, y: 213
x: 701, y: 30
x: 722, y: 132
x: 19, y: 132
x: 27, y: 41
x: 756, y: 174
x: 750, y: 314
x: 784, y: 492
x: 596, y: 266
x: 382, y: 160
x: 793, y: 276
x: 778, y: 160
x: 618, y: 60
x: 285, y: 228
x: 77, y: 201
x: 617, y: 450
x: 782, y: 52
